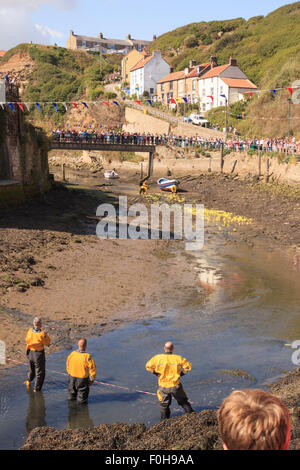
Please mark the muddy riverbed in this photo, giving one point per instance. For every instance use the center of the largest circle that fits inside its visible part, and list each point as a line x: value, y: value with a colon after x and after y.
x: 225, y: 302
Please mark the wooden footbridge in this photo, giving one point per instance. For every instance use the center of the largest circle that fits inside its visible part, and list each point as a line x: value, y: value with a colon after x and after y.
x: 111, y: 147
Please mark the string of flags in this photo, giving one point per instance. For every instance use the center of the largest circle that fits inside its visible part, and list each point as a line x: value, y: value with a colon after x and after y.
x: 29, y: 105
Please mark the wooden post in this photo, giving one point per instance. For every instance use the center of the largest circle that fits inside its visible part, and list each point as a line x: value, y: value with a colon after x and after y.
x: 267, y: 177
x: 150, y: 166
x: 63, y: 172
x: 259, y: 164
x: 209, y: 165
x: 235, y: 164
x: 222, y: 158
x: 142, y: 171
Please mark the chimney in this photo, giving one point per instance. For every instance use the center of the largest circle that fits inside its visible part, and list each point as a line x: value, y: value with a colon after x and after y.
x: 154, y: 37
x: 193, y: 63
x: 101, y: 35
x: 172, y: 69
x: 232, y: 62
x: 128, y: 37
x: 213, y: 61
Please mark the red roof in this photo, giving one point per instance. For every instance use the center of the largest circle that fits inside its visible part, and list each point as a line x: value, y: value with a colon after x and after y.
x: 142, y: 63
x: 172, y: 76
x: 2, y: 53
x: 239, y: 83
x: 215, y: 72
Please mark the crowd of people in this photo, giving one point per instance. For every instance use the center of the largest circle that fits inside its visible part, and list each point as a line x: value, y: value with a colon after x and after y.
x: 248, y: 419
x: 289, y: 146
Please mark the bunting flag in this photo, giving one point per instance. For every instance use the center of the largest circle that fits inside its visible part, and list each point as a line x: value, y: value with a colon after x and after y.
x: 55, y: 106
x: 74, y: 104
x: 185, y: 100
x: 38, y: 106
x: 84, y: 104
x: 172, y: 100
x: 291, y: 91
x: 11, y: 106
x: 150, y: 102
x: 116, y: 103
x: 273, y: 91
x: 21, y: 107
x: 65, y: 106
x: 27, y: 106
x: 2, y: 105
x: 105, y: 102
x: 250, y: 93
x: 138, y: 102
x: 212, y: 98
x: 223, y: 96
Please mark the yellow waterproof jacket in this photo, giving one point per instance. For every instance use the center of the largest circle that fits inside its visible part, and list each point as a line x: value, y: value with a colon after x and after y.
x: 169, y: 367
x: 81, y: 365
x: 36, y: 340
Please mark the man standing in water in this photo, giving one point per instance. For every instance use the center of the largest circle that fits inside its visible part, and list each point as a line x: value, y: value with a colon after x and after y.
x: 169, y: 367
x: 36, y: 340
x: 82, y: 371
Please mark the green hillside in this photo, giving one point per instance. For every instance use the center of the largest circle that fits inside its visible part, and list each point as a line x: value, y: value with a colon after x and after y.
x: 60, y: 74
x: 267, y: 50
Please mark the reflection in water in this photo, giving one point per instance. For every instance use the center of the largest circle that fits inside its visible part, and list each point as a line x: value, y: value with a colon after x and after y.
x: 79, y: 416
x: 36, y: 414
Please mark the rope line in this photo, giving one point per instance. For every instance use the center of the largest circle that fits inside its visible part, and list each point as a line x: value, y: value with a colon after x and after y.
x: 106, y: 384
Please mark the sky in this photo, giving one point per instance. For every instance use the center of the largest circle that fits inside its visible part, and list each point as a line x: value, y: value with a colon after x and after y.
x: 50, y: 21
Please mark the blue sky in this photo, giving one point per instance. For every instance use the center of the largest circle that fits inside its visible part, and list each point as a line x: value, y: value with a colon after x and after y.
x: 49, y: 21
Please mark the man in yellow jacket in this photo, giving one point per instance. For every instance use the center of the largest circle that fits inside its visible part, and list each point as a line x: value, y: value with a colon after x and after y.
x: 36, y: 340
x: 169, y: 367
x: 82, y: 371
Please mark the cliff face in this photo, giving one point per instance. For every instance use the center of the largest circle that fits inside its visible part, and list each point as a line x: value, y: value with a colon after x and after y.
x: 23, y: 156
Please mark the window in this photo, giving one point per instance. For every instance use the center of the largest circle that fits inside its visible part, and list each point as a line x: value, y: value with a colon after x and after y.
x: 180, y: 85
x: 171, y: 85
x: 162, y: 87
x: 151, y: 91
x: 194, y: 85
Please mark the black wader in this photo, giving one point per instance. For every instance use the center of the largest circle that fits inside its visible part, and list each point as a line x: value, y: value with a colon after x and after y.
x: 166, y: 395
x: 79, y: 389
x: 37, y: 368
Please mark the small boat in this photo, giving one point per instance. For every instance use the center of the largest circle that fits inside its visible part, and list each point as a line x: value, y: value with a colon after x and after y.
x: 110, y: 174
x: 168, y: 185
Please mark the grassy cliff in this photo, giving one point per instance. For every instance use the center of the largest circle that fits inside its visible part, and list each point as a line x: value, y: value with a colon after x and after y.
x: 59, y: 74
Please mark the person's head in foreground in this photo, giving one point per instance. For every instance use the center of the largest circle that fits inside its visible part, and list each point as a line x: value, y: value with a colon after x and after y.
x: 254, y: 420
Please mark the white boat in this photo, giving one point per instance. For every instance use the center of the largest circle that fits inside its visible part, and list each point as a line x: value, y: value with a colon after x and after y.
x: 168, y: 185
x: 110, y: 174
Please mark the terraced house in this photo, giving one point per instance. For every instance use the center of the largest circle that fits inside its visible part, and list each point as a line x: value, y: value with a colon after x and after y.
x: 105, y: 45
x: 205, y: 83
x: 221, y: 83
x: 146, y: 73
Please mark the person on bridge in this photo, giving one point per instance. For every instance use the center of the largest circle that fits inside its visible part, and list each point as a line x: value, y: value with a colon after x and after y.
x: 169, y: 367
x: 36, y: 340
x: 82, y: 371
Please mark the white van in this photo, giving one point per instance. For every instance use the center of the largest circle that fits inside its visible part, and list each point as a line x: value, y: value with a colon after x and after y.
x: 198, y: 120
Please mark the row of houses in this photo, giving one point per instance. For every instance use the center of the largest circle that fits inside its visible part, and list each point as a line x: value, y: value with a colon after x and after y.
x: 209, y: 84
x: 106, y: 45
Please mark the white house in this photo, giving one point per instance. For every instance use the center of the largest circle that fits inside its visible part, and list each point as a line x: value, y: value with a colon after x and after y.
x: 146, y: 73
x: 227, y: 80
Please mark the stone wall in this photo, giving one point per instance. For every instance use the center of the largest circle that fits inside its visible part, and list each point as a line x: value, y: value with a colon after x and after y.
x: 23, y: 158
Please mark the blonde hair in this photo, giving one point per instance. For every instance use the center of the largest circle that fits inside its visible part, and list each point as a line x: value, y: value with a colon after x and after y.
x: 254, y: 420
